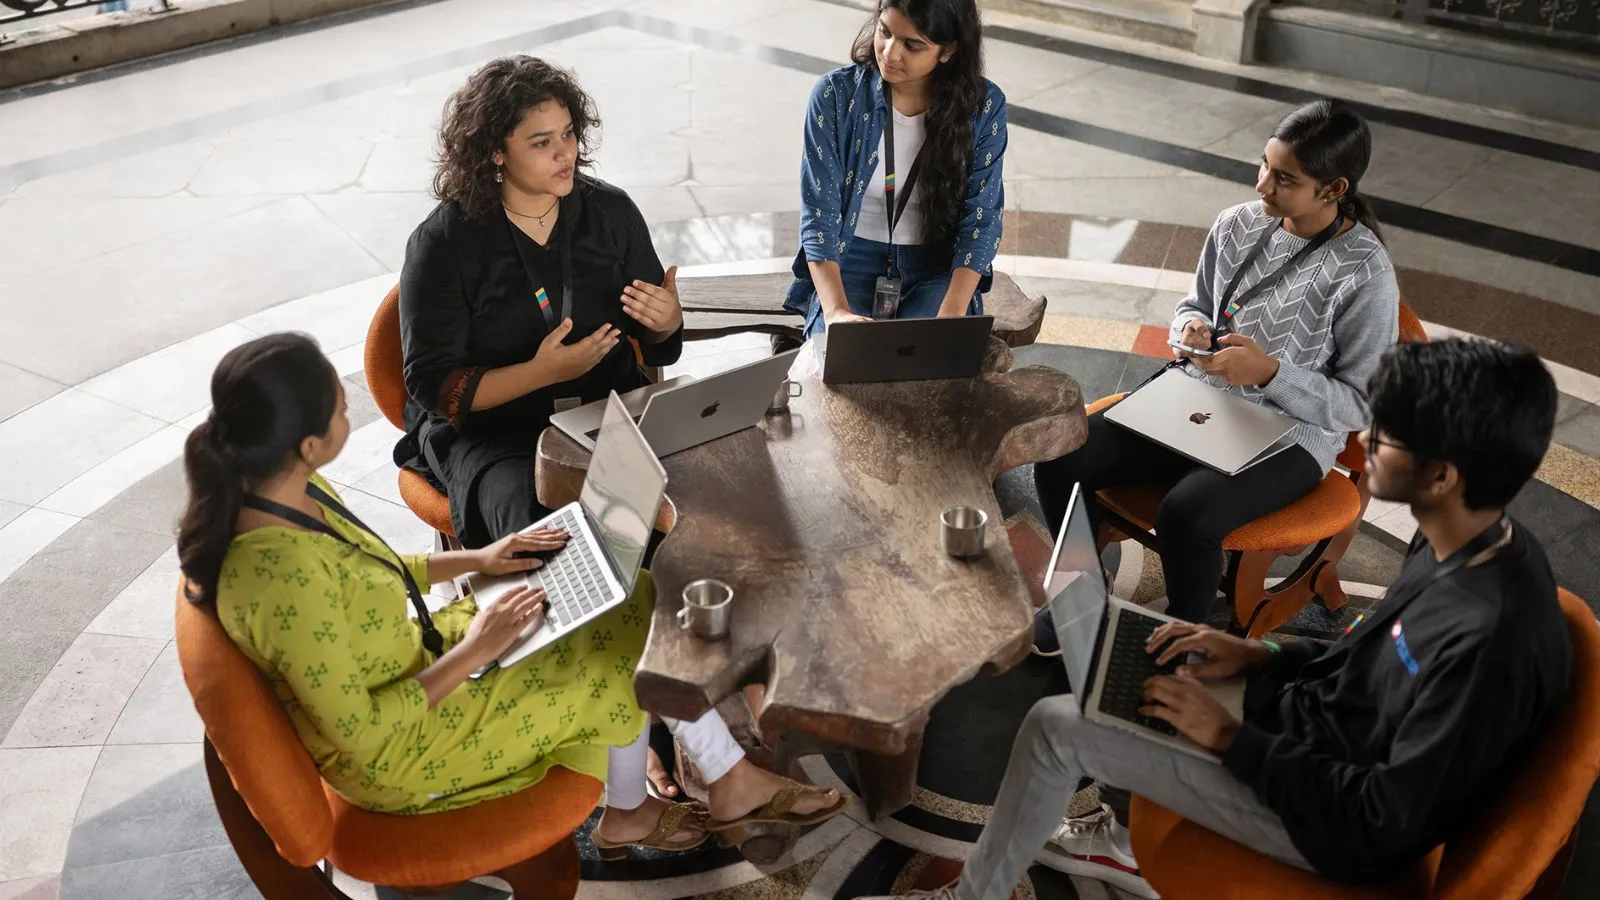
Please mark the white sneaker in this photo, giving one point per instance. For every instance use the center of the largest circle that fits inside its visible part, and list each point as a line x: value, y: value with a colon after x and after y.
x: 1084, y: 846
x: 948, y: 892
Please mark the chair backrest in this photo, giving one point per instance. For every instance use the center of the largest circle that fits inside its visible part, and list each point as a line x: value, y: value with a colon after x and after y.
x: 246, y: 724
x: 385, y: 362
x: 1522, y: 830
x: 1354, y: 457
x: 1411, y: 330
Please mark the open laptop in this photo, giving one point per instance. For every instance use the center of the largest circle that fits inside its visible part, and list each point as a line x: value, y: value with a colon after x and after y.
x: 695, y: 411
x: 1103, y: 640
x: 607, y: 530
x: 1214, y: 428
x: 582, y: 423
x: 906, y: 349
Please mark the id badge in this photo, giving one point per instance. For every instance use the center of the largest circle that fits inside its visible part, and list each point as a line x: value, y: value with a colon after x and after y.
x: 886, y: 297
x: 565, y: 403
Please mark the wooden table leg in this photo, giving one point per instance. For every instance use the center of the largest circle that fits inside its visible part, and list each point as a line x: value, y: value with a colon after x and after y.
x: 887, y: 781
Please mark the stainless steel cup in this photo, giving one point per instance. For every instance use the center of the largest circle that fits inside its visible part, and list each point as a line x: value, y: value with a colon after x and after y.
x: 786, y: 390
x: 961, y: 531
x: 707, y: 603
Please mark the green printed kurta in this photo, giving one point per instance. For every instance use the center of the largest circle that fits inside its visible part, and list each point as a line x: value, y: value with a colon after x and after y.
x: 331, y: 629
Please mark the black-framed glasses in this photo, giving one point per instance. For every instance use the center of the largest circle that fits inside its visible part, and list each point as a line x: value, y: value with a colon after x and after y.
x: 1376, y: 440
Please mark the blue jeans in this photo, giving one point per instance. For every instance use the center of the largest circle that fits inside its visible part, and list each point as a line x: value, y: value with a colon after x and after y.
x: 924, y: 279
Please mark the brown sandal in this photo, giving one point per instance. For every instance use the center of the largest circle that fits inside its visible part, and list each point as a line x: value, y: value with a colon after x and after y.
x: 777, y: 812
x: 668, y: 826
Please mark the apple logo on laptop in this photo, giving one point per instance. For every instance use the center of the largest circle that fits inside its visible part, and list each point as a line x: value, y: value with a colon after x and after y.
x: 1200, y: 418
x: 907, y: 350
x: 710, y: 411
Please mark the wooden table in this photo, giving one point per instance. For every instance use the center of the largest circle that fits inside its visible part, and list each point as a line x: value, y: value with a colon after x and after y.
x: 825, y: 522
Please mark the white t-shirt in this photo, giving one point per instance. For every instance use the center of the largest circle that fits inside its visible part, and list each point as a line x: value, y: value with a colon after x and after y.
x: 909, y: 133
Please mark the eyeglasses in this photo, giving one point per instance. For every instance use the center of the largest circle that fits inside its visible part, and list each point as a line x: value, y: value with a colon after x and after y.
x: 1375, y: 440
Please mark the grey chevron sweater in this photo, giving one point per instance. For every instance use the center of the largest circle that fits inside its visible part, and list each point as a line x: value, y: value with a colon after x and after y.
x: 1327, y: 321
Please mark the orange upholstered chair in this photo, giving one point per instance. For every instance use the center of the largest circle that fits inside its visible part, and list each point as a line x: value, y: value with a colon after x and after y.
x: 1325, y: 521
x: 283, y: 820
x: 384, y: 361
x: 1520, y: 846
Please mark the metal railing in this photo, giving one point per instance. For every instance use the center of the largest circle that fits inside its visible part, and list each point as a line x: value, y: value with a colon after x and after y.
x: 14, y: 11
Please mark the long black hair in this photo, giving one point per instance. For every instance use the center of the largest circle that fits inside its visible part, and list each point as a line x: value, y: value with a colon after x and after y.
x: 1331, y: 141
x: 955, y: 94
x: 267, y: 397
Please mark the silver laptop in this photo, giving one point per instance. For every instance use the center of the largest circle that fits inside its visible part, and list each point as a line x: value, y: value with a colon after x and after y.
x: 906, y: 349
x: 1214, y: 428
x: 1103, y: 640
x: 607, y: 530
x: 582, y: 423
x: 700, y: 410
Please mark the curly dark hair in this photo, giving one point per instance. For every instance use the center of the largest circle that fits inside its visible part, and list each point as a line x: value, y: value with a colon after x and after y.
x: 955, y: 93
x: 479, y: 118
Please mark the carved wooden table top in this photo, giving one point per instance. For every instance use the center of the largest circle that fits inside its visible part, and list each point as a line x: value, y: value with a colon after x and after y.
x: 824, y: 521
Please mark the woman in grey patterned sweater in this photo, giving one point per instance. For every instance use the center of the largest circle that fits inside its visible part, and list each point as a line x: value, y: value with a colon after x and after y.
x: 1297, y: 295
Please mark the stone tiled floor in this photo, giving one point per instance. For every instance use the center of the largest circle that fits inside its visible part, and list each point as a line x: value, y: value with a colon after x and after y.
x: 153, y: 218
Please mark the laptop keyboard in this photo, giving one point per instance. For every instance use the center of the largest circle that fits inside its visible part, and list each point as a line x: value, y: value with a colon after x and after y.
x: 1129, y: 668
x: 573, y: 578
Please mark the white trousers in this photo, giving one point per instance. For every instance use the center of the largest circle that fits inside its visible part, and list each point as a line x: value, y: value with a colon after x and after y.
x: 706, y: 741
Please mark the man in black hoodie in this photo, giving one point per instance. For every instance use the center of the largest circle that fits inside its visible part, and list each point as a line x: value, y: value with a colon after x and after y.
x: 1353, y: 760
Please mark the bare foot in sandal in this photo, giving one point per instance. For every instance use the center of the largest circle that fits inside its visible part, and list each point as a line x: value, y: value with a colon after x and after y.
x: 618, y: 827
x: 660, y: 779
x: 747, y: 788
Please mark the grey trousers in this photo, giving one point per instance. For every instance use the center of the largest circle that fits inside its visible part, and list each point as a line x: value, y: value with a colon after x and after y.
x: 1057, y: 748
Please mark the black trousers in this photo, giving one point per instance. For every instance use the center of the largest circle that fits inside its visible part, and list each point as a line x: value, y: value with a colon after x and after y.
x: 1196, y: 515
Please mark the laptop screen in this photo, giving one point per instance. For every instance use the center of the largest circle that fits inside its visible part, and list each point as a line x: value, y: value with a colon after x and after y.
x: 622, y: 492
x: 1076, y: 586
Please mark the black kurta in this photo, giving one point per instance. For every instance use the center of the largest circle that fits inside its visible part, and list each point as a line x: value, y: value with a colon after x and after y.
x: 467, y: 306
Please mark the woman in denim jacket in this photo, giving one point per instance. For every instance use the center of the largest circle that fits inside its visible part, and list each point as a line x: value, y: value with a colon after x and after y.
x: 949, y: 143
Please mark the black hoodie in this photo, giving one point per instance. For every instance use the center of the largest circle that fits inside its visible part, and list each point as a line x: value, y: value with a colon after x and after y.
x: 1397, y: 736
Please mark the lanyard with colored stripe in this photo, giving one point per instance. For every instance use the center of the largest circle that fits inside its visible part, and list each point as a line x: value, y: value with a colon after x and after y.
x: 893, y: 201
x: 552, y: 314
x: 1231, y: 307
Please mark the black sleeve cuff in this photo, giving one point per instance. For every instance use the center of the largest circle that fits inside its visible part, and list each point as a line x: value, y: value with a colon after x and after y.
x: 1248, y: 753
x: 663, y: 353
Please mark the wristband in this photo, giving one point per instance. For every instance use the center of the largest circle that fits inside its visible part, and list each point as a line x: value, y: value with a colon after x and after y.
x: 1272, y: 647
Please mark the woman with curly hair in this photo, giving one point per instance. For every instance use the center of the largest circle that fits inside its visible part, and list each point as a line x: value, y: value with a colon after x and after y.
x: 900, y: 185
x: 518, y: 291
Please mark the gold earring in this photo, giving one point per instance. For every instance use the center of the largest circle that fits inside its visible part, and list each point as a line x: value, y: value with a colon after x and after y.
x: 499, y: 175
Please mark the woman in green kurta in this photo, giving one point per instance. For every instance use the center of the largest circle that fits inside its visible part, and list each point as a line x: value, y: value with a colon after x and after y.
x: 319, y: 604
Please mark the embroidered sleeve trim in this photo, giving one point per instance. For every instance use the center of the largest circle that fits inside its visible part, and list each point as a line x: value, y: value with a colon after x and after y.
x: 455, y: 394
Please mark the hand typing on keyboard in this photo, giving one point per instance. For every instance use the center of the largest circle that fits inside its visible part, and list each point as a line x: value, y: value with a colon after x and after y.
x: 1203, y: 651
x: 1184, y: 703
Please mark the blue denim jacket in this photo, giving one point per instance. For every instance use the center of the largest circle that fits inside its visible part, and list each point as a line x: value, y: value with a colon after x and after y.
x: 841, y: 152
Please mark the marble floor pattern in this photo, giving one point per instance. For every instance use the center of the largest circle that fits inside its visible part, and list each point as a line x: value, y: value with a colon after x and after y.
x: 273, y: 186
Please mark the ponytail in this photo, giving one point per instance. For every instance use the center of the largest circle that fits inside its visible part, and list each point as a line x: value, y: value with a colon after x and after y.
x: 216, y: 493
x: 1356, y: 207
x: 267, y: 396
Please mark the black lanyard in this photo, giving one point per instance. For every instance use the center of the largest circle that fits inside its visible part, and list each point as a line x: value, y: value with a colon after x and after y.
x: 895, y: 200
x: 1394, y: 603
x: 552, y: 312
x: 1230, y: 307
x: 431, y: 638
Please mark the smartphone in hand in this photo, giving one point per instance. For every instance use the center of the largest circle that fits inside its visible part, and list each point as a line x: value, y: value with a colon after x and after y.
x: 1185, y: 348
